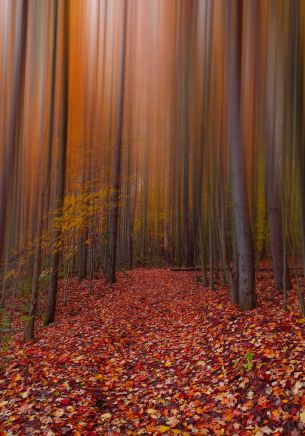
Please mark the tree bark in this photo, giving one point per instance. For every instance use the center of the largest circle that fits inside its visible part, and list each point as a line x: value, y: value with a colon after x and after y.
x: 116, y: 176
x: 60, y: 188
x: 243, y: 235
x: 274, y: 137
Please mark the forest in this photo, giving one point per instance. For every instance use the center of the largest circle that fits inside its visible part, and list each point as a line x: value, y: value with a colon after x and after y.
x: 152, y: 217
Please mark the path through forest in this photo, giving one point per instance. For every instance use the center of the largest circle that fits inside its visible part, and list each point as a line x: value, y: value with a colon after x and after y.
x: 158, y: 354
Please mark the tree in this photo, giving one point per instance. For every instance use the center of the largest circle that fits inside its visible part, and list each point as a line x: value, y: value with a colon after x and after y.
x: 243, y: 235
x: 274, y: 137
x: 14, y: 126
x: 61, y: 165
x: 116, y: 172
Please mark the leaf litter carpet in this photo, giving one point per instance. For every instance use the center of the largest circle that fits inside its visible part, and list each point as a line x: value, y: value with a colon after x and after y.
x: 158, y: 354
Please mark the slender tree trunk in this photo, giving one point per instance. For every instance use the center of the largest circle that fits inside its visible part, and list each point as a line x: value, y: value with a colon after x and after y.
x: 274, y: 137
x: 14, y: 121
x: 116, y: 176
x: 243, y: 235
x: 29, y: 331
x: 83, y: 254
x: 60, y: 188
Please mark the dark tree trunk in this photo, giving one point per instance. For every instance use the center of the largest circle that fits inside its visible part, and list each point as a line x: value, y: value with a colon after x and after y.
x: 274, y: 138
x: 243, y: 235
x: 116, y: 176
x: 60, y: 188
x: 83, y: 255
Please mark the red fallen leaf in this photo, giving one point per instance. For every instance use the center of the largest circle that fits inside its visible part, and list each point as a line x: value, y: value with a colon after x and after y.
x: 140, y: 378
x: 148, y: 310
x: 236, y: 412
x: 293, y: 411
x: 65, y: 401
x: 263, y: 376
x: 263, y: 402
x: 97, y: 394
x: 32, y: 351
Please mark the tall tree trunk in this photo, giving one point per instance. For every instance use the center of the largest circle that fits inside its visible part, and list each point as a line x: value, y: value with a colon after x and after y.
x: 244, y: 244
x: 38, y: 219
x: 60, y: 188
x: 274, y: 138
x: 14, y: 121
x: 116, y: 176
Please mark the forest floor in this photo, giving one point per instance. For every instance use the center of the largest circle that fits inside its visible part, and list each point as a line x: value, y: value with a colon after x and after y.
x: 158, y: 354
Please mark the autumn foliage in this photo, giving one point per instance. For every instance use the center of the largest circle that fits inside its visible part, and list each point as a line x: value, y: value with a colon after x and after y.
x: 152, y: 217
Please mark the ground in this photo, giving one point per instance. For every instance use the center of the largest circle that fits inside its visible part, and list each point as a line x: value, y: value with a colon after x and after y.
x: 158, y: 354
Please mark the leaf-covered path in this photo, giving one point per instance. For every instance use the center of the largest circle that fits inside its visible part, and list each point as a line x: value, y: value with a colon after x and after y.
x: 158, y: 354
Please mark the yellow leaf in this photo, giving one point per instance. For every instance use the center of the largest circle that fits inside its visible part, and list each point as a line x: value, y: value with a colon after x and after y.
x: 302, y: 416
x: 168, y: 363
x: 105, y: 416
x: 151, y: 411
x: 163, y: 428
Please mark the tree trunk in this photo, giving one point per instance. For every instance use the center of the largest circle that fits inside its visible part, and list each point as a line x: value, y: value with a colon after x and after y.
x: 114, y: 214
x: 274, y: 137
x: 246, y: 267
x: 15, y: 116
x: 60, y: 188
